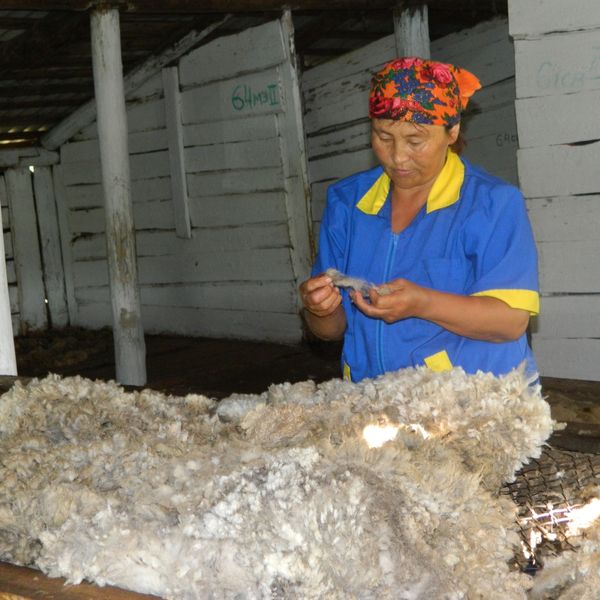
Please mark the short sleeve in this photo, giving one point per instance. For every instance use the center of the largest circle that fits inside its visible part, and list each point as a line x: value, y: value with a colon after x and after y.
x: 499, y: 242
x: 333, y: 234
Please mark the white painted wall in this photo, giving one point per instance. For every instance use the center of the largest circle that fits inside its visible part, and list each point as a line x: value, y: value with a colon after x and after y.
x: 557, y: 53
x: 237, y: 275
x: 336, y: 101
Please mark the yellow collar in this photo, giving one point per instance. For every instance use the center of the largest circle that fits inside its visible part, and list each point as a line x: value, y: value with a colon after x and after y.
x: 444, y: 192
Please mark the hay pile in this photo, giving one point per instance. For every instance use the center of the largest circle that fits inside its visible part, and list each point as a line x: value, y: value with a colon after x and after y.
x: 275, y: 495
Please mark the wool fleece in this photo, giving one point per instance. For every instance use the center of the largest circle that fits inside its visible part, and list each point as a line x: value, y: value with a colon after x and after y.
x: 274, y: 495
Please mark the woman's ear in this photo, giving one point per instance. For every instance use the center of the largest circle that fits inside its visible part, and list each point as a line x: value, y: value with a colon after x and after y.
x: 453, y: 133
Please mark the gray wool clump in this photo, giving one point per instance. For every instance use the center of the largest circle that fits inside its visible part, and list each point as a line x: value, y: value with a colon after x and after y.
x: 274, y: 495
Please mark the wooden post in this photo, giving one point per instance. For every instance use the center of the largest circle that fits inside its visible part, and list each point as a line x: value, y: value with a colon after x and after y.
x: 290, y: 126
x: 181, y: 211
x: 411, y: 30
x: 8, y: 361
x: 130, y: 348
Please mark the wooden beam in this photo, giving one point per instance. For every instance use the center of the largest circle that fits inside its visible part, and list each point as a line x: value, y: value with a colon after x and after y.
x: 130, y: 347
x: 195, y: 7
x: 86, y: 114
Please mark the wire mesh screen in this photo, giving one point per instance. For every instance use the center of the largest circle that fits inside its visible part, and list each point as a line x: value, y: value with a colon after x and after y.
x: 548, y: 491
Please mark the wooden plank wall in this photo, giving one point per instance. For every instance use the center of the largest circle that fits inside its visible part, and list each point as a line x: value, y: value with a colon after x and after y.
x: 235, y: 276
x: 335, y: 98
x: 557, y: 54
x: 11, y: 275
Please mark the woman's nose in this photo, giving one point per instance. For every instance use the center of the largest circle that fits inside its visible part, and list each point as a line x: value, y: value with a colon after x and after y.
x: 399, y: 154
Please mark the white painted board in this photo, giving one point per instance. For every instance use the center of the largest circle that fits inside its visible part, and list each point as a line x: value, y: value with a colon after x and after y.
x: 569, y: 316
x: 245, y: 325
x: 565, y: 219
x: 563, y: 63
x: 273, y: 296
x: 254, y: 49
x: 559, y: 170
x: 570, y: 266
x: 569, y: 358
x: 27, y: 259
x: 562, y: 119
x: 532, y: 18
x: 247, y: 95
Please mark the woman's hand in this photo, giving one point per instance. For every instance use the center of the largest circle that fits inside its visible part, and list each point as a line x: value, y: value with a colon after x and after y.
x: 322, y: 302
x: 476, y: 317
x: 395, y: 300
x: 319, y: 296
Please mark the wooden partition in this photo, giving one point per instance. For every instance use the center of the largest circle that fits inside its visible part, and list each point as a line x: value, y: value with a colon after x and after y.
x: 558, y: 92
x: 230, y: 266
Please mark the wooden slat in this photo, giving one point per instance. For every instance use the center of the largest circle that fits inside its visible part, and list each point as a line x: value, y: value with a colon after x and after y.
x: 485, y: 49
x: 571, y: 266
x: 532, y: 18
x: 276, y: 296
x: 568, y: 358
x: 26, y: 248
x: 245, y: 325
x: 143, y: 166
x: 204, y: 242
x: 54, y: 278
x: 539, y: 125
x: 146, y: 215
x: 246, y: 95
x: 238, y: 209
x: 245, y: 265
x: 266, y: 179
x: 90, y: 195
x: 559, y: 170
x: 565, y: 219
x: 342, y: 165
x: 254, y: 49
x: 569, y: 316
x: 564, y: 63
x: 138, y: 143
x: 234, y: 155
x: 250, y: 127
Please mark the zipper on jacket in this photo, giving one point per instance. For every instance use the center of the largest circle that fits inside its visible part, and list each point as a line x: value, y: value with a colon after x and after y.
x: 380, y: 323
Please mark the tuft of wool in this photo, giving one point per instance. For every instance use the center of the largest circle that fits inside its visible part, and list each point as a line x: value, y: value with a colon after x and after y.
x: 274, y: 495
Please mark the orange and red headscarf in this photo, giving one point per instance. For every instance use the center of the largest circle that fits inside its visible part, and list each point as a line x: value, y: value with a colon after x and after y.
x: 421, y: 91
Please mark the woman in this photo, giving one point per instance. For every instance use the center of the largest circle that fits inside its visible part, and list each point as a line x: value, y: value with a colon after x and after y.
x: 449, y: 246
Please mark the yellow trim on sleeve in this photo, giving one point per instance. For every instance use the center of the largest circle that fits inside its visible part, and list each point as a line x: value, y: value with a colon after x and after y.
x: 446, y: 187
x: 440, y: 361
x: 525, y: 299
x: 347, y: 375
x: 375, y: 198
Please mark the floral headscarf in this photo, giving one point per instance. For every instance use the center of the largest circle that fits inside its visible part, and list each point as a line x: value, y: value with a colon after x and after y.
x: 421, y: 91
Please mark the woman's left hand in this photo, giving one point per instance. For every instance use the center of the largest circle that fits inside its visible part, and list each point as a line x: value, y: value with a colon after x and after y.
x: 404, y: 299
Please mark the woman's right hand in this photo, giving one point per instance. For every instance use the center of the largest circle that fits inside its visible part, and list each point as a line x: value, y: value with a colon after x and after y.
x: 319, y: 296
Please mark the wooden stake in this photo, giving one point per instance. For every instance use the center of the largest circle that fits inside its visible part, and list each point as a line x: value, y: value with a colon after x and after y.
x: 130, y: 348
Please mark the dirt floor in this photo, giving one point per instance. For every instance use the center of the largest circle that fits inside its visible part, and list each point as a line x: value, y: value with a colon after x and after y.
x: 216, y: 368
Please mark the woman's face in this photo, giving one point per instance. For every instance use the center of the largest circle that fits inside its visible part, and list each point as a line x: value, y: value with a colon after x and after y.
x: 411, y: 155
